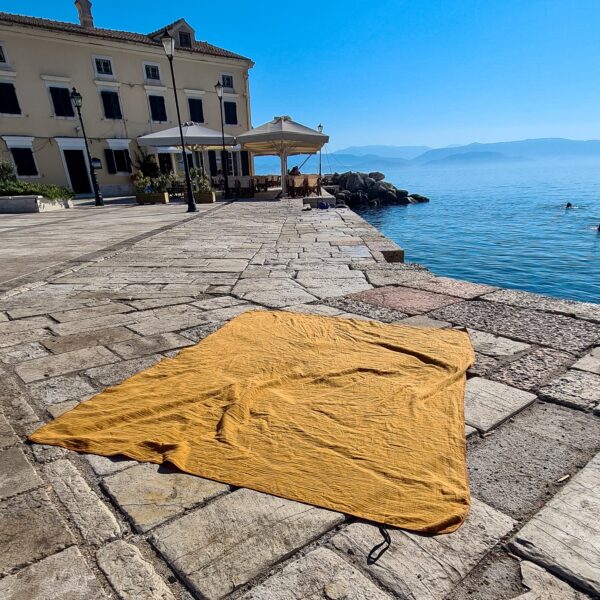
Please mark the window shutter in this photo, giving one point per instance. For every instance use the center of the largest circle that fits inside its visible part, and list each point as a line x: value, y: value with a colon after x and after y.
x: 61, y: 100
x: 24, y: 162
x: 110, y: 161
x: 128, y: 161
x: 9, y: 104
x: 157, y: 108
x: 245, y: 158
x: 112, y: 107
x: 212, y: 162
x: 196, y: 110
x: 230, y: 113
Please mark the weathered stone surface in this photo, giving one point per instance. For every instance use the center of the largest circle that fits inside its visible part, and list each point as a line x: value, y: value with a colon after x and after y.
x: 215, y: 303
x: 321, y: 574
x: 55, y: 410
x: 30, y: 529
x: 493, y: 345
x: 563, y: 536
x: 63, y: 576
x: 577, y: 389
x: 426, y: 567
x: 404, y: 299
x: 524, y: 462
x: 61, y: 389
x: 315, y: 309
x: 484, y: 365
x: 583, y: 310
x: 8, y: 327
x: 17, y: 410
x: 7, y: 435
x: 469, y: 431
x: 75, y: 341
x: 105, y: 465
x: 201, y: 331
x: 113, y: 374
x: 424, y: 321
x: 141, y: 346
x: 451, y: 287
x: 107, y: 321
x: 158, y: 321
x: 16, y: 474
x: 543, y: 586
x: 150, y: 494
x: 132, y: 577
x: 219, y: 315
x: 60, y: 364
x: 112, y: 308
x: 488, y: 403
x: 12, y: 339
x: 533, y: 369
x: 383, y: 277
x: 330, y: 288
x: 22, y: 352
x: 348, y: 304
x: 160, y: 302
x: 226, y: 543
x: 91, y: 516
x: 590, y: 362
x: 530, y: 326
x: 279, y: 298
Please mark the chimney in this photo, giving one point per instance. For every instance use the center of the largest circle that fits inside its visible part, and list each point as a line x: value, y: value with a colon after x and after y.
x: 84, y: 8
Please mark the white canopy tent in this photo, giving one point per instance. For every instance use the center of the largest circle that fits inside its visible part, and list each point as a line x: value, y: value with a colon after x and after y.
x: 194, y: 136
x: 282, y: 137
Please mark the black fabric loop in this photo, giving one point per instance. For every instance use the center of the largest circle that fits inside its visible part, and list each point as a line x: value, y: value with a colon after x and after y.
x: 380, y: 549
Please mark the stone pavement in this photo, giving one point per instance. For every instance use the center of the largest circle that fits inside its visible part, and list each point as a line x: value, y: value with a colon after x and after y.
x: 80, y: 526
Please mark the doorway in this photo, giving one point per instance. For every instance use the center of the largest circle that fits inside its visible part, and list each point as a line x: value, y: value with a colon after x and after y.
x: 78, y: 171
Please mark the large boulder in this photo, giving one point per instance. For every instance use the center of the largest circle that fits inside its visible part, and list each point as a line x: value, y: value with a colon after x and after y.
x: 369, y: 182
x: 377, y: 176
x: 354, y: 182
x: 417, y: 198
x: 402, y: 197
x: 389, y: 197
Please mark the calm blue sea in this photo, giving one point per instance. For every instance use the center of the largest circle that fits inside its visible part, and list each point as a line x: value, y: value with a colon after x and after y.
x: 504, y: 225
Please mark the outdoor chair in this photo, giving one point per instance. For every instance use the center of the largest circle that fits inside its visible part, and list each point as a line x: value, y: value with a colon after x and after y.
x: 313, y: 185
x: 244, y: 187
x: 177, y: 189
x: 297, y: 186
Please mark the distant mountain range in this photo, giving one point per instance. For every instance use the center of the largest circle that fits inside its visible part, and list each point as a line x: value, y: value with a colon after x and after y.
x: 378, y: 158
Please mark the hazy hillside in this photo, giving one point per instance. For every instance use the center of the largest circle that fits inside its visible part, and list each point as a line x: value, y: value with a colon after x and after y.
x: 473, y: 158
x: 406, y: 152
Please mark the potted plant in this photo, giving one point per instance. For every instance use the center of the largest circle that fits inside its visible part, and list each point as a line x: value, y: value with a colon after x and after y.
x: 151, y: 190
x: 204, y: 193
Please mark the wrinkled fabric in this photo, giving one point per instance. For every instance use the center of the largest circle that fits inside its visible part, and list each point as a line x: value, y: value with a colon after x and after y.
x: 355, y: 416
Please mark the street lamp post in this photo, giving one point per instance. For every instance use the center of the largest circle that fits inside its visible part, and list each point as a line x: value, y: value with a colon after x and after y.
x: 77, y: 100
x: 225, y: 165
x: 168, y: 43
x: 320, y: 129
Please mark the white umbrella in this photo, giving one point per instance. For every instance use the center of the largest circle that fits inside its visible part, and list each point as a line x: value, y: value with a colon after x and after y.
x: 282, y: 137
x: 194, y: 135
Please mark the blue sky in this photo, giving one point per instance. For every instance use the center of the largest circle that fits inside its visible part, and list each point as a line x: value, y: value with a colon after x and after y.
x: 433, y: 72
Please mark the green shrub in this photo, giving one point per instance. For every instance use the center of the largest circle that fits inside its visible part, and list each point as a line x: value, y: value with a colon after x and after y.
x: 24, y: 188
x: 7, y: 171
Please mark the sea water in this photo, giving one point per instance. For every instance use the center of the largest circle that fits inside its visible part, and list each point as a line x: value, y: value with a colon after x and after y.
x: 504, y: 225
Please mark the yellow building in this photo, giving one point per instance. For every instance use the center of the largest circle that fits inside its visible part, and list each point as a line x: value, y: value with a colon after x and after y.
x: 125, y: 82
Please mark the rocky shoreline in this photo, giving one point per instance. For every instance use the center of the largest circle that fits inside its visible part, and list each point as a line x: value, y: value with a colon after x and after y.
x: 356, y: 190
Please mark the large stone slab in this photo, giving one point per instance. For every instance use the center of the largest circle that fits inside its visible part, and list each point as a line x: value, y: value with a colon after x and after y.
x: 233, y: 539
x: 543, y: 586
x: 380, y: 277
x: 12, y: 339
x: 582, y: 310
x: 564, y: 537
x: 60, y: 364
x: 493, y: 345
x: 7, y: 435
x: 16, y: 474
x: 577, y: 389
x: 75, y: 341
x: 452, y: 287
x: 63, y: 576
x: 522, y: 324
x: 15, y: 354
x: 150, y: 494
x: 104, y: 322
x: 141, y: 346
x: 179, y: 317
x: 112, y: 308
x: 30, y: 529
x: 131, y: 576
x: 115, y: 373
x: 423, y: 567
x: 489, y: 403
x: 349, y: 304
x: 93, y: 519
x: 590, y: 362
x: 321, y: 574
x: 61, y: 389
x: 404, y: 299
x: 8, y: 327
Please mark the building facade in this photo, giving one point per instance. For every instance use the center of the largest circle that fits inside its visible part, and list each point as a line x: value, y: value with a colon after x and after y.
x: 125, y: 81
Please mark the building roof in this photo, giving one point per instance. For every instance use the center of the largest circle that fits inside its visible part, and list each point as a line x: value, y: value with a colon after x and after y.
x: 113, y: 34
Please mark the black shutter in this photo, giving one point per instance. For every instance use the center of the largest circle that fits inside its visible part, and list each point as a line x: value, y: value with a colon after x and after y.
x: 9, y: 104
x: 157, y: 108
x: 111, y: 166
x: 112, y: 107
x: 61, y: 100
x: 212, y: 162
x: 24, y: 161
x: 127, y: 161
x: 245, y: 158
x: 230, y: 113
x: 196, y: 110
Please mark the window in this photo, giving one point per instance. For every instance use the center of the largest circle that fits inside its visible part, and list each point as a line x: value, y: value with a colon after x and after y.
x: 230, y: 113
x: 112, y: 106
x: 24, y: 161
x: 9, y: 105
x: 117, y: 161
x: 61, y: 102
x: 185, y: 39
x: 152, y: 72
x: 103, y: 66
x: 227, y: 81
x: 196, y: 111
x: 2, y: 56
x: 158, y: 112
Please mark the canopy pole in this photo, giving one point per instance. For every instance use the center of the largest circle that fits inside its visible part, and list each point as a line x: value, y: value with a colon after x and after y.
x: 283, y: 171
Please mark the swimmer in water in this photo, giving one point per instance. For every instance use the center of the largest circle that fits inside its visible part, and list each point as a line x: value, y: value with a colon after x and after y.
x: 569, y: 205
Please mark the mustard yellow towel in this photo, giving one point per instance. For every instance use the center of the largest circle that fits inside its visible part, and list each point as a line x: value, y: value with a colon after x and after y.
x: 355, y: 416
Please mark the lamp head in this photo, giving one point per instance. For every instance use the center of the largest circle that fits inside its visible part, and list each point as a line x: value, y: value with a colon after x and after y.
x: 76, y: 98
x: 219, y: 89
x: 168, y: 43
x: 320, y: 128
